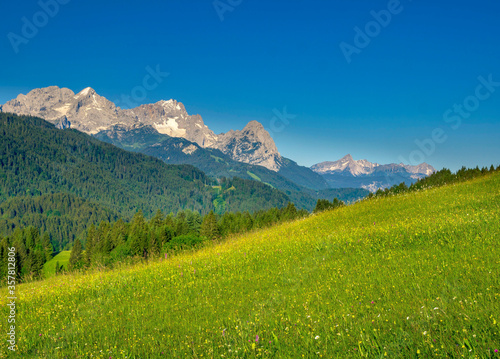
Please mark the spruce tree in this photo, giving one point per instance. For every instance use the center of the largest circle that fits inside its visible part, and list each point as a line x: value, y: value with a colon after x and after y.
x: 89, y: 244
x: 157, y: 220
x: 209, y: 227
x: 47, y: 246
x: 154, y: 244
x: 76, y: 257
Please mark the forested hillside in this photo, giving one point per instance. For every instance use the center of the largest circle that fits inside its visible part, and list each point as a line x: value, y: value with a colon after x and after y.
x: 64, y: 217
x: 36, y: 158
x: 177, y: 150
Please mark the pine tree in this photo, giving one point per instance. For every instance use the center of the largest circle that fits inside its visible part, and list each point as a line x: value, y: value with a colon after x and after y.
x: 181, y: 225
x: 138, y: 236
x: 193, y: 220
x: 290, y: 211
x: 209, y: 227
x: 76, y: 257
x: 38, y: 262
x: 154, y: 244
x: 47, y: 246
x: 164, y: 235
x: 89, y: 244
x: 135, y: 243
x: 107, y: 246
x: 119, y: 233
x: 247, y: 221
x: 157, y: 220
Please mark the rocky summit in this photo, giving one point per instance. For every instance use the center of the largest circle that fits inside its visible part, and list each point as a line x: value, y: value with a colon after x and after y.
x: 88, y: 112
x: 368, y: 175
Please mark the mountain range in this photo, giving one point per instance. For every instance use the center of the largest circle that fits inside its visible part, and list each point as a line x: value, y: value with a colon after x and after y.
x: 368, y: 175
x: 165, y: 130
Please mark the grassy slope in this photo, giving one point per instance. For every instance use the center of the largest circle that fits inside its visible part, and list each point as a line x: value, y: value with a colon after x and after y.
x: 409, y: 276
x: 49, y: 268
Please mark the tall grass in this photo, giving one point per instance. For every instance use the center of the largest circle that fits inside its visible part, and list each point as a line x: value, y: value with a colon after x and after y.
x: 409, y: 276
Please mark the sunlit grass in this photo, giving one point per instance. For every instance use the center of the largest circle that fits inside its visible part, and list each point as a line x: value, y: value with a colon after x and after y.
x: 408, y: 276
x: 49, y: 268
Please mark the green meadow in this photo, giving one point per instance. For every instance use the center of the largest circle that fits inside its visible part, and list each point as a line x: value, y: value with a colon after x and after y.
x: 49, y: 268
x: 408, y: 276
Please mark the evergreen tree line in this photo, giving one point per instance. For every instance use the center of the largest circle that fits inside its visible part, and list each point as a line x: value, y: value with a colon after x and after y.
x: 325, y: 205
x: 120, y: 241
x: 437, y: 179
x: 62, y: 216
x: 32, y: 251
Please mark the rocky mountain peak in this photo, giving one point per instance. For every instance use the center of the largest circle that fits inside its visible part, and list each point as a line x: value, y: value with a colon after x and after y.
x: 172, y: 105
x: 171, y: 118
x: 86, y: 92
x: 89, y: 112
x: 345, y: 164
x: 368, y: 175
x: 253, y: 126
x: 252, y: 145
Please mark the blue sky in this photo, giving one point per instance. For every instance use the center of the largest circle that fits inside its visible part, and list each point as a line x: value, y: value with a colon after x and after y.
x: 401, y: 79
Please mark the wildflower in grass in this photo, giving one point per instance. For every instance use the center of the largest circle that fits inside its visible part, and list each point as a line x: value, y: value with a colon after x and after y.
x: 496, y: 350
x: 316, y: 337
x: 257, y: 338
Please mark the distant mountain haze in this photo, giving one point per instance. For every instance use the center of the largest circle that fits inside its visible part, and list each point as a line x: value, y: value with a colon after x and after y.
x: 368, y: 175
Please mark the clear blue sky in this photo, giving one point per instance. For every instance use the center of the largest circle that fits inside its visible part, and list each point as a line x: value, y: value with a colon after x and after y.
x: 266, y: 55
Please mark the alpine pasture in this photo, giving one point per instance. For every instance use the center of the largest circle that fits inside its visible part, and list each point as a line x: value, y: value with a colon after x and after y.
x: 407, y: 276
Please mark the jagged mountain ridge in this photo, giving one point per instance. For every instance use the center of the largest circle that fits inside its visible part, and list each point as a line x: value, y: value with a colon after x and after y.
x: 368, y: 175
x: 88, y: 112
